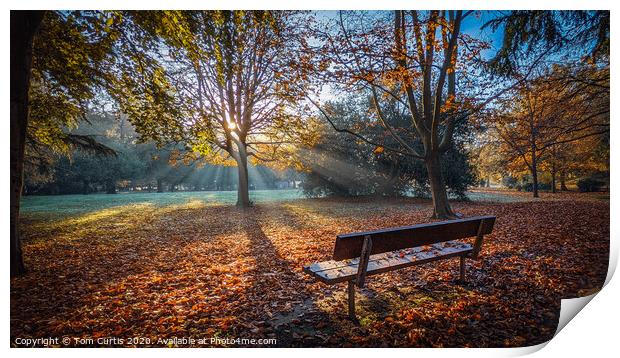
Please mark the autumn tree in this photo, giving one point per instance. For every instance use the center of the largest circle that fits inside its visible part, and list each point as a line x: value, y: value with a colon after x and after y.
x: 486, y: 158
x: 419, y: 59
x: 60, y: 64
x: 82, y: 57
x: 574, y: 159
x: 227, y: 74
x: 547, y: 113
x: 578, y: 39
x: 57, y: 65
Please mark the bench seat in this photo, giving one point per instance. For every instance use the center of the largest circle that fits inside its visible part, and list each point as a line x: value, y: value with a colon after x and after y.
x: 332, y: 271
x: 361, y: 254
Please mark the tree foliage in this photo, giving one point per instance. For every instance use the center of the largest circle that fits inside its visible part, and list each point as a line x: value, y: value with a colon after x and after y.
x: 72, y: 54
x: 530, y: 32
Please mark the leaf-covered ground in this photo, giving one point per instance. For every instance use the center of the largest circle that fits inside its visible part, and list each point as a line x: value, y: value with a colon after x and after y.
x: 216, y: 271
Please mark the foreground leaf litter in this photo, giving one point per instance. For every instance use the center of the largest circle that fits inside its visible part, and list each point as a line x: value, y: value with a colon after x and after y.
x: 216, y: 271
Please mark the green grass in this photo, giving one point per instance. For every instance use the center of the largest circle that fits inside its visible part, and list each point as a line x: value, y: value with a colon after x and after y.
x: 63, y: 206
x: 495, y: 197
x: 71, y: 205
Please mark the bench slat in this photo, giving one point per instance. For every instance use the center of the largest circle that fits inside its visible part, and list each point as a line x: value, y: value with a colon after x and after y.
x: 331, y: 271
x: 349, y: 246
x: 332, y: 264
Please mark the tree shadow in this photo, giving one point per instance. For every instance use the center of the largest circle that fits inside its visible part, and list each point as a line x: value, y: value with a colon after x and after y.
x: 281, y: 292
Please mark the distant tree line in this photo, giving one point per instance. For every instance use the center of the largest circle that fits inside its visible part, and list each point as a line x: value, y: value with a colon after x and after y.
x: 134, y: 166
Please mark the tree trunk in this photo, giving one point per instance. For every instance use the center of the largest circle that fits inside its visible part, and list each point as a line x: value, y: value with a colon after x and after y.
x: 553, y: 172
x: 554, y: 169
x: 534, y: 175
x: 243, y: 193
x: 563, y: 181
x: 24, y: 25
x: 160, y: 186
x: 441, y: 206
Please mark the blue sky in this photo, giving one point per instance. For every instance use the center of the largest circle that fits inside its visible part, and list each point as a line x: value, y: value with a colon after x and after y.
x: 471, y: 26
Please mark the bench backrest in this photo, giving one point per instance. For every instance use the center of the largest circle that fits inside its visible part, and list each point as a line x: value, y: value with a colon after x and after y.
x: 349, y: 246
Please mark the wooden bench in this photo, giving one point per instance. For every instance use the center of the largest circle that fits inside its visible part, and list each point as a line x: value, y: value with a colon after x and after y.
x: 362, y: 254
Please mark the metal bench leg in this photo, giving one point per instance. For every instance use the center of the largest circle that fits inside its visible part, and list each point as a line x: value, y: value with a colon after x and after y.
x: 462, y: 268
x: 351, y: 292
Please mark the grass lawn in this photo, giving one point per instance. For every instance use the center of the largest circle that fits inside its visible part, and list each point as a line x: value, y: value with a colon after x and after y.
x: 61, y: 206
x: 71, y: 205
x: 193, y: 265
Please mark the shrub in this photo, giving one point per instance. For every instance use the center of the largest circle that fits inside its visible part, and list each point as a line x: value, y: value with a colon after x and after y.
x: 510, y: 182
x: 530, y: 186
x: 589, y: 184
